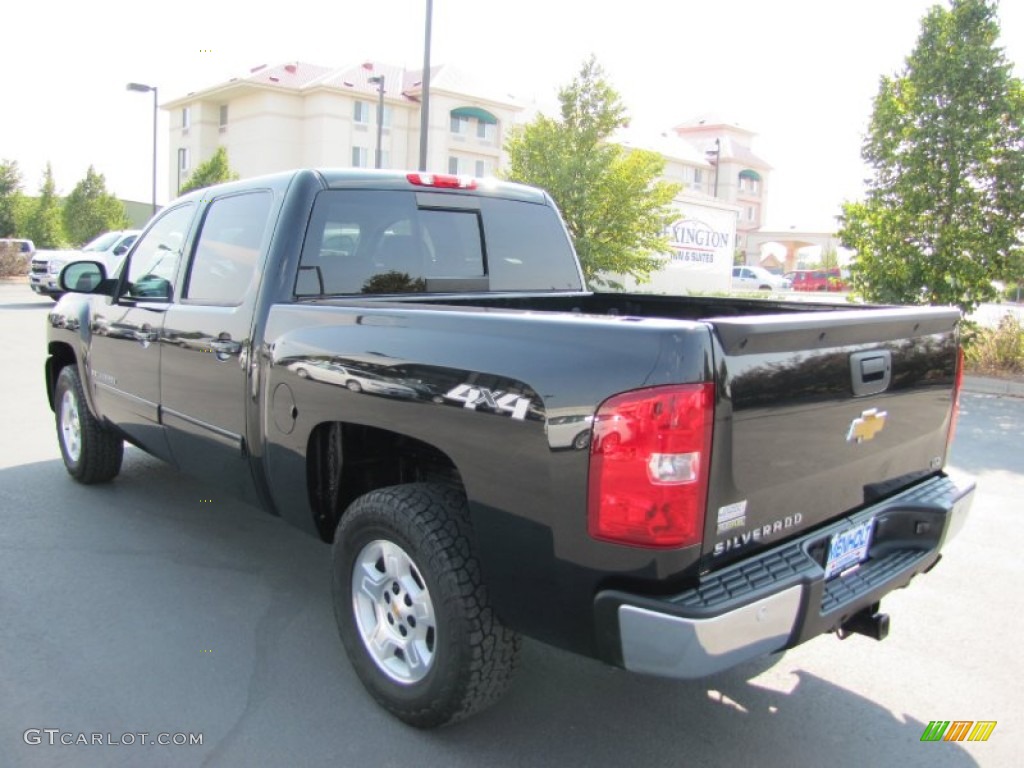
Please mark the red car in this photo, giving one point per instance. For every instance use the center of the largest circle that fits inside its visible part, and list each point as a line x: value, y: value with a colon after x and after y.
x: 818, y: 280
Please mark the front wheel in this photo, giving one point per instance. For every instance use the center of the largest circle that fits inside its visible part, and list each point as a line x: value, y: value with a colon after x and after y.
x: 412, y: 612
x: 91, y: 453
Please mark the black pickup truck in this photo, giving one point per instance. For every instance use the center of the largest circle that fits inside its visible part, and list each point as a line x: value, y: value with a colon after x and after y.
x: 409, y: 366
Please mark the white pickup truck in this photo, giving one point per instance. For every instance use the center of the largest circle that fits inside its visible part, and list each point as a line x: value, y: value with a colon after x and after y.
x: 109, y: 249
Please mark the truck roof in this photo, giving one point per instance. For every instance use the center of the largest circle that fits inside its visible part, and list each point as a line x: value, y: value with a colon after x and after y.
x: 355, y: 178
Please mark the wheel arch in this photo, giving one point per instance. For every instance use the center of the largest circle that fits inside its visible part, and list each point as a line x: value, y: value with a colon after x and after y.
x: 345, y: 460
x: 61, y: 355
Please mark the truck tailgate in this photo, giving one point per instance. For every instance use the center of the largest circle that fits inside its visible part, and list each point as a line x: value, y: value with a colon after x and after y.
x: 820, y: 414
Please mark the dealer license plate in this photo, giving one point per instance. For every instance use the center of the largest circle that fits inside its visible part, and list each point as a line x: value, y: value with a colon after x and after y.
x: 848, y: 548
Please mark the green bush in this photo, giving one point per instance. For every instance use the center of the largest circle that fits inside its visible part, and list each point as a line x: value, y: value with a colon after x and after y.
x: 996, y: 351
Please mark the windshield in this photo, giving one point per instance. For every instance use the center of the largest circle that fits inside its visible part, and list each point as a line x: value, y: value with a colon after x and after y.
x: 103, y: 243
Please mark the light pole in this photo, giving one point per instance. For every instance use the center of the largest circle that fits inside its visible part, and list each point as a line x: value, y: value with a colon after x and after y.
x: 717, y: 152
x: 379, y: 81
x: 425, y: 90
x: 139, y: 87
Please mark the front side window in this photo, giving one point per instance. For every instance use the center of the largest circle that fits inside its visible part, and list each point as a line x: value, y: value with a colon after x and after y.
x: 154, y: 262
x: 228, y: 248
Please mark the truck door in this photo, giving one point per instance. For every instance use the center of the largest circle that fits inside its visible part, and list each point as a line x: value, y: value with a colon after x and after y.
x: 124, y: 354
x: 206, y: 343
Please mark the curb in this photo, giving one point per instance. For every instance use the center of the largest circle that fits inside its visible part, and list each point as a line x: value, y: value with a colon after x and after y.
x: 987, y: 385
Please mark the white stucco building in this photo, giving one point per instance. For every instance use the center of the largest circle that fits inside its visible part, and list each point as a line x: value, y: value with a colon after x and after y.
x: 738, y: 176
x: 304, y: 115
x: 298, y: 115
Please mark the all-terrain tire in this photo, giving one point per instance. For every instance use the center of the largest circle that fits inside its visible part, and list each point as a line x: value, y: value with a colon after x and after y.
x: 91, y: 453
x: 407, y: 551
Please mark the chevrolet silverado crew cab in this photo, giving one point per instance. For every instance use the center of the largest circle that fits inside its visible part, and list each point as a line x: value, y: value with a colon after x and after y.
x: 410, y: 367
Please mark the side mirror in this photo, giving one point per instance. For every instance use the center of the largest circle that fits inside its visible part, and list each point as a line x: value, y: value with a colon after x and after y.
x: 121, y: 250
x: 85, y: 277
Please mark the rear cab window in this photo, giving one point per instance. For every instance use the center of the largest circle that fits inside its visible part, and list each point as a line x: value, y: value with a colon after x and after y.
x: 387, y: 241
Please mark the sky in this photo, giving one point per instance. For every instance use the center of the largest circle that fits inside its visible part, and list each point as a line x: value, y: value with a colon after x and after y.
x: 800, y: 73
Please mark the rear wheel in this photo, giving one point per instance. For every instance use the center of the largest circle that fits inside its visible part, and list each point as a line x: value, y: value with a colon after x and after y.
x: 412, y: 612
x: 91, y: 453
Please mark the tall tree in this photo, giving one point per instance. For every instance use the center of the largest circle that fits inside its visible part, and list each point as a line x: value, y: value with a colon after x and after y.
x: 614, y: 206
x: 44, y: 225
x: 90, y: 210
x: 944, y: 211
x: 10, y: 197
x: 213, y: 171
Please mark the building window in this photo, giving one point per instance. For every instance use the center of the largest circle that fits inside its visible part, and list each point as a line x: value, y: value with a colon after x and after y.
x: 223, y: 116
x: 361, y: 112
x: 485, y: 131
x: 386, y: 121
x: 360, y: 157
x: 460, y: 125
x: 186, y: 118
x: 453, y: 165
x: 481, y: 168
x: 184, y: 161
x: 698, y: 176
x: 751, y: 213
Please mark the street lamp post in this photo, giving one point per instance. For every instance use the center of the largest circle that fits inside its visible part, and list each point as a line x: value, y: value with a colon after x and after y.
x: 378, y: 80
x: 425, y: 89
x: 718, y: 157
x: 140, y: 88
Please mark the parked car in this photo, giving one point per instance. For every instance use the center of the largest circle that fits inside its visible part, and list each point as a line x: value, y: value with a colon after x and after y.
x: 757, y: 279
x: 818, y: 280
x: 109, y: 249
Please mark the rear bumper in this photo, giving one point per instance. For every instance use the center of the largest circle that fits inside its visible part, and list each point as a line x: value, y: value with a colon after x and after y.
x: 779, y: 598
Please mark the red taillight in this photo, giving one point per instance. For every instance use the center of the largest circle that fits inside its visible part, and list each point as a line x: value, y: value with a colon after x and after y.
x: 441, y: 180
x: 957, y: 382
x: 649, y: 460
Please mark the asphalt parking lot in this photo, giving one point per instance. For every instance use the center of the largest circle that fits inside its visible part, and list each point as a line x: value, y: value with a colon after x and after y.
x: 156, y: 605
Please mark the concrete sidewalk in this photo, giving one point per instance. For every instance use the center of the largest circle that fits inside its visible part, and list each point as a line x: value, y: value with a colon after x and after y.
x: 988, y: 385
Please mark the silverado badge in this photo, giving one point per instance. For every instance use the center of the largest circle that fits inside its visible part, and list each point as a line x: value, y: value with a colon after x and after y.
x: 866, y: 426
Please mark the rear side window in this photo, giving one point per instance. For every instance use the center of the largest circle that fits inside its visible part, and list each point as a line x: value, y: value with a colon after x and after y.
x: 228, y: 248
x: 365, y: 242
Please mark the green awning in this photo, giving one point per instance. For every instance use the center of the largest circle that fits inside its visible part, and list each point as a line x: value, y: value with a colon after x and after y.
x: 749, y: 174
x: 480, y: 114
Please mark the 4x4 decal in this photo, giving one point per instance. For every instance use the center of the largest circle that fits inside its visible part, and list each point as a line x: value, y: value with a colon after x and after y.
x: 496, y: 400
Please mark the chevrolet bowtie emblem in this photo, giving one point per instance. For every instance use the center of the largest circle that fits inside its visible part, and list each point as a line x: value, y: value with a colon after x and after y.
x: 869, y: 424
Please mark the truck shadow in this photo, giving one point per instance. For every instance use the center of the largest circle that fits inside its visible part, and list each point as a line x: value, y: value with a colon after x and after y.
x: 144, y: 573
